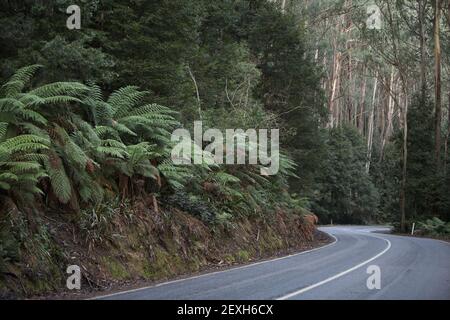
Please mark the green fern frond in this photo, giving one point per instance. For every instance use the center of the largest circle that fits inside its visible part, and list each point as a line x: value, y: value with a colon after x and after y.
x: 30, y: 100
x: 3, y: 130
x: 176, y: 176
x: 58, y: 178
x: 25, y: 74
x: 25, y: 143
x: 8, y: 176
x: 123, y: 129
x: 123, y: 99
x: 112, y: 151
x: 73, y: 89
x: 18, y: 81
x: 10, y: 105
x: 95, y: 92
x: 60, y: 99
x: 34, y: 116
x: 224, y: 178
x: 152, y: 109
x: 106, y: 132
x: 20, y: 167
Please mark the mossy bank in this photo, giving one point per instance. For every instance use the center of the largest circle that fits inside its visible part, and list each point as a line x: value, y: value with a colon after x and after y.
x: 129, y: 243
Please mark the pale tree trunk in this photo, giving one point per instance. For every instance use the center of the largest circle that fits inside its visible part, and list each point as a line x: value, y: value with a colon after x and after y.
x: 422, y: 17
x: 334, y: 85
x: 362, y: 103
x: 371, y: 125
x: 351, y: 88
x: 325, y: 80
x: 337, y: 103
x: 404, y: 167
x: 438, y: 96
x: 390, y: 113
x: 197, y: 92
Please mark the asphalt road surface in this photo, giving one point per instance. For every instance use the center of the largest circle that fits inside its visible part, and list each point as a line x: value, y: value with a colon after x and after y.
x: 410, y: 268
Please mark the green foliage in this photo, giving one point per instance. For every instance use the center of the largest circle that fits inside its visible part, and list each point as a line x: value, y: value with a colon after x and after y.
x: 88, y: 144
x: 193, y: 205
x: 21, y: 165
x: 426, y: 187
x: 96, y: 224
x: 435, y: 227
x: 345, y: 192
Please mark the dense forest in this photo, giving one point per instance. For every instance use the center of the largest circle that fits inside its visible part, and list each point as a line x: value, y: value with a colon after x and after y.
x: 86, y: 115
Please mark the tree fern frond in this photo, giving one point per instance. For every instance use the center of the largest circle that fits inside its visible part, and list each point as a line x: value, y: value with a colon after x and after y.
x: 10, y: 105
x: 95, y: 92
x: 105, y: 132
x: 122, y: 96
x: 102, y: 112
x: 152, y: 109
x: 25, y: 143
x: 3, y: 130
x: 20, y: 167
x: 60, y: 99
x: 74, y: 89
x: 8, y: 176
x: 18, y: 81
x: 224, y: 178
x: 123, y: 129
x: 30, y: 99
x: 58, y: 178
x: 25, y: 74
x: 112, y: 151
x: 32, y: 115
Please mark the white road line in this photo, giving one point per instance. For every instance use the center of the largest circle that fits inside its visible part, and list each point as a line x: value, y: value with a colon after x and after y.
x: 217, y: 272
x: 293, y: 294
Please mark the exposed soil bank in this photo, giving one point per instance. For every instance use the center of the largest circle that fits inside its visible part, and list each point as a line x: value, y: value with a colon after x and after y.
x: 143, y: 247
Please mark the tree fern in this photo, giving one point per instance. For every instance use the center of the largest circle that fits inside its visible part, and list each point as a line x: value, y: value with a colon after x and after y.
x: 59, y: 180
x: 16, y: 166
x: 18, y: 81
x: 55, y: 89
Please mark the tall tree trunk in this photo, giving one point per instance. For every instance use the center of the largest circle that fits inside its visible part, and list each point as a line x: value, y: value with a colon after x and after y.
x: 362, y: 103
x: 448, y: 134
x: 423, y: 74
x: 283, y: 6
x: 404, y: 168
x: 199, y: 101
x: 334, y: 86
x: 390, y: 113
x: 371, y: 125
x: 438, y: 97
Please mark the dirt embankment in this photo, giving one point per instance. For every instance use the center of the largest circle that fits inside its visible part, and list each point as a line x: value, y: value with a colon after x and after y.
x: 138, y: 245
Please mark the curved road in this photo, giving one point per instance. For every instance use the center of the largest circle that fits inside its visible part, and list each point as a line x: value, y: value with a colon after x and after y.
x: 411, y: 268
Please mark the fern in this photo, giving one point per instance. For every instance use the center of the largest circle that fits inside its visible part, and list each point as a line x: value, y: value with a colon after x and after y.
x: 3, y: 129
x: 72, y: 89
x: 176, y: 176
x: 59, y: 180
x: 18, y: 81
x: 25, y: 143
